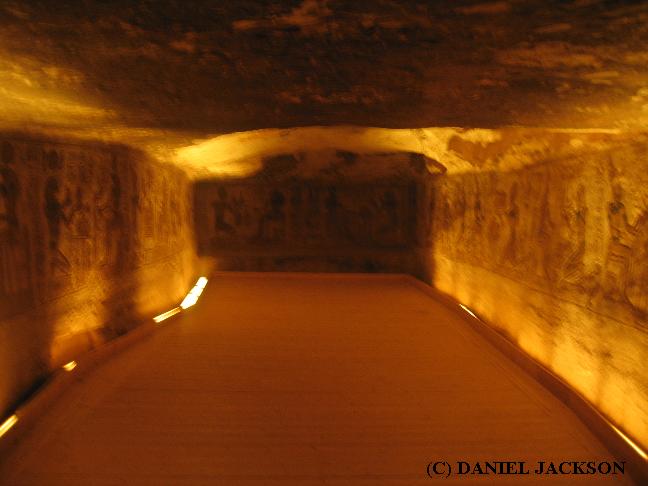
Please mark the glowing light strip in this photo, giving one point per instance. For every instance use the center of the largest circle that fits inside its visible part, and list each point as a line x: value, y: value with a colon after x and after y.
x: 6, y: 426
x: 70, y: 366
x: 192, y: 296
x: 190, y: 299
x: 631, y: 443
x: 166, y: 315
x: 468, y: 311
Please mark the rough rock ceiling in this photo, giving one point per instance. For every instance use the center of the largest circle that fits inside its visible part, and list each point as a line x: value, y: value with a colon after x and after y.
x: 324, y: 152
x: 169, y: 71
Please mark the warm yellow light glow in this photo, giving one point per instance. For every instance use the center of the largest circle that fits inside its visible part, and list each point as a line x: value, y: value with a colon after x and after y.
x: 70, y: 366
x: 242, y: 154
x: 468, y: 311
x: 6, y: 426
x: 189, y: 300
x: 166, y: 315
x: 34, y: 90
x: 630, y: 442
x: 194, y: 293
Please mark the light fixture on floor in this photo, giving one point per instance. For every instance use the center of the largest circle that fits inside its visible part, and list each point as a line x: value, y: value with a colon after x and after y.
x: 468, y: 311
x: 190, y: 300
x: 7, y: 424
x: 631, y: 443
x: 166, y: 315
x: 194, y: 293
x: 70, y: 366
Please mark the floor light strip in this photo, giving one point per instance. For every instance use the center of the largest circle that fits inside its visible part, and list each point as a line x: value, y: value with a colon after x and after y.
x: 631, y: 443
x: 468, y: 311
x: 7, y: 424
x: 70, y: 366
x: 194, y: 293
x: 166, y: 315
x: 190, y: 299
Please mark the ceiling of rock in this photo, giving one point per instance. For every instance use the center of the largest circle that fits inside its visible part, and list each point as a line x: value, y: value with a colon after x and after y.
x: 163, y: 73
x: 362, y: 152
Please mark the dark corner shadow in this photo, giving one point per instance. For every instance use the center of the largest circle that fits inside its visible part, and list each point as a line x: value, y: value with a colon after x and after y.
x: 423, y: 248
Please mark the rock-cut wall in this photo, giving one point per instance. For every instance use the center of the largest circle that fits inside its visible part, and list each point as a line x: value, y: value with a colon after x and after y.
x: 307, y: 226
x: 93, y: 238
x: 556, y: 257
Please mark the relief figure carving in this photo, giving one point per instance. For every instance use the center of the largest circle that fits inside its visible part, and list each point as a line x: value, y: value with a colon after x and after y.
x: 56, y: 215
x: 13, y: 251
x: 637, y: 280
x: 272, y: 225
x: 619, y: 247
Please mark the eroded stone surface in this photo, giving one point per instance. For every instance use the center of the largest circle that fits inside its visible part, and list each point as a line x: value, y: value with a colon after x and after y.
x: 319, y: 152
x: 92, y: 239
x: 556, y: 257
x: 307, y: 225
x: 541, y: 230
x: 213, y: 67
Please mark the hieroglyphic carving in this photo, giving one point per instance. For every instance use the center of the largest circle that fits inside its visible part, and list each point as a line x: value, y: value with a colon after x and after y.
x: 542, y: 225
x: 626, y: 268
x: 309, y: 215
x: 636, y: 289
x: 70, y: 213
x: 73, y: 216
x: 14, y: 269
x: 76, y: 242
x: 56, y: 202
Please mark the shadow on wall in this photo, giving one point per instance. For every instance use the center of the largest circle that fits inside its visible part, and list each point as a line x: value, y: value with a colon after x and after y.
x: 307, y: 225
x: 556, y: 257
x: 93, y: 238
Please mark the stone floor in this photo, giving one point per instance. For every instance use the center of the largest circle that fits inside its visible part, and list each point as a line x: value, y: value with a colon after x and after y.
x: 285, y: 380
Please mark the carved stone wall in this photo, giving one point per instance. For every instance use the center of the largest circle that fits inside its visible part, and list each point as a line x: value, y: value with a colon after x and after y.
x: 92, y: 239
x: 307, y: 226
x: 556, y: 257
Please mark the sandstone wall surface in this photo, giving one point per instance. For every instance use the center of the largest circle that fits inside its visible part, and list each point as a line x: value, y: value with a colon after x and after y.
x: 555, y: 256
x: 93, y: 238
x: 307, y: 226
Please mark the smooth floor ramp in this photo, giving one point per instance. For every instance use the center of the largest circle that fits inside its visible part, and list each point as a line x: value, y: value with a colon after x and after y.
x: 288, y: 380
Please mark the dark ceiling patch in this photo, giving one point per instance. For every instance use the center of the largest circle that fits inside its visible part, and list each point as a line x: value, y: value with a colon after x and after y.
x: 185, y: 65
x: 278, y: 166
x: 349, y: 158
